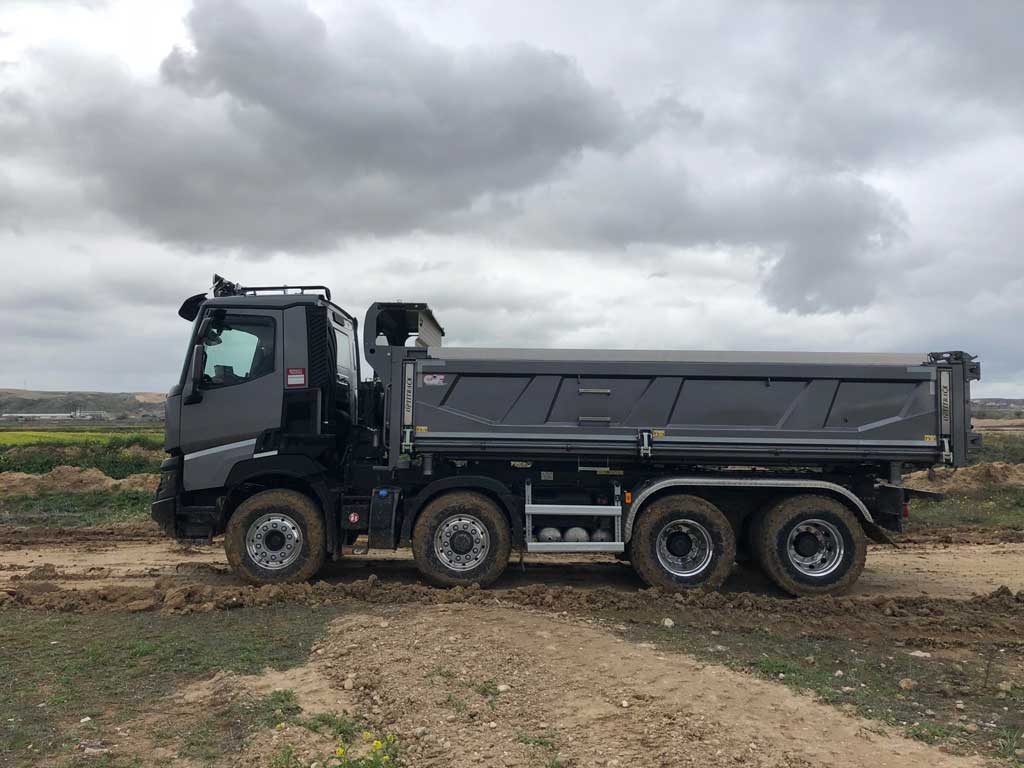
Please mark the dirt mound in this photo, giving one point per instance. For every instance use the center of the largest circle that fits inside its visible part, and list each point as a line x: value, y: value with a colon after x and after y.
x: 967, y: 480
x: 65, y: 479
x: 998, y: 615
x: 498, y: 686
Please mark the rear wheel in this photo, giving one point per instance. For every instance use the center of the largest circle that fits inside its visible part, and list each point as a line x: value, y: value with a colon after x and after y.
x: 461, y: 538
x: 811, y: 545
x: 683, y: 542
x: 275, y: 537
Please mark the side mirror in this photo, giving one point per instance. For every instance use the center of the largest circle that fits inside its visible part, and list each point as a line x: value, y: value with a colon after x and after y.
x: 194, y: 395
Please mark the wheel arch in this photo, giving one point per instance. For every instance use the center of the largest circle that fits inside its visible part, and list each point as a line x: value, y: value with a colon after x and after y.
x: 305, y: 476
x: 648, y: 492
x: 510, y: 504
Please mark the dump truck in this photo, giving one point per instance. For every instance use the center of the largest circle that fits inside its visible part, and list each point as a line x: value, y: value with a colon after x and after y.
x: 678, y: 462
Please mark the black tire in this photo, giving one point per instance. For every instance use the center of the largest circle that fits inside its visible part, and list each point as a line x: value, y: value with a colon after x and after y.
x: 699, y: 544
x: 826, y: 523
x: 466, y: 516
x: 277, y: 506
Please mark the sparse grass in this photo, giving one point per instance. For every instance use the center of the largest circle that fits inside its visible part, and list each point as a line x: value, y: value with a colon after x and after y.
x: 996, y: 446
x: 929, y: 732
x: 997, y: 507
x: 871, y: 671
x: 340, y: 727
x: 1008, y: 742
x: 489, y: 690
x: 71, y: 510
x: 59, y: 668
x: 443, y: 672
x: 455, y: 703
x: 285, y: 757
x: 535, y: 741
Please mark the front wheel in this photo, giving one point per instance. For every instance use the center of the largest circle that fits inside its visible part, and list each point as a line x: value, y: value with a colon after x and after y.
x: 461, y: 538
x: 275, y: 537
x: 811, y: 545
x: 683, y: 542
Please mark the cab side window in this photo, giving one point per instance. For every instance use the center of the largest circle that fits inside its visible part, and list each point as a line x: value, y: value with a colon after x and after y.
x: 238, y: 348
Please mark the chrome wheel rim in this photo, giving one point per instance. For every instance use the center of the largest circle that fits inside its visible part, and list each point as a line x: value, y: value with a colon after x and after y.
x: 274, y: 541
x: 685, y: 548
x: 461, y: 543
x: 815, y: 547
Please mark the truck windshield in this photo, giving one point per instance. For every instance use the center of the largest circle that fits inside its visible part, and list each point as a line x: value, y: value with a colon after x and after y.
x: 238, y: 348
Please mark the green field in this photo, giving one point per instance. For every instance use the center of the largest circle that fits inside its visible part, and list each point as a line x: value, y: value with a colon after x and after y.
x: 65, y: 436
x: 116, y: 454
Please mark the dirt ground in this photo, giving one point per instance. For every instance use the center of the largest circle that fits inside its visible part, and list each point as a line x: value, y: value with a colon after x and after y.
x: 540, y: 670
x: 139, y: 556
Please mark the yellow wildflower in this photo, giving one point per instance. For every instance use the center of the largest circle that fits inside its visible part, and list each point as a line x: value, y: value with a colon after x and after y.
x: 385, y: 759
x: 340, y: 751
x: 377, y: 745
x: 391, y: 738
x: 367, y: 735
x: 280, y: 726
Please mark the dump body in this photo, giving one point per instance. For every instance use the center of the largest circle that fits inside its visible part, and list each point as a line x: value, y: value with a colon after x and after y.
x: 689, y: 407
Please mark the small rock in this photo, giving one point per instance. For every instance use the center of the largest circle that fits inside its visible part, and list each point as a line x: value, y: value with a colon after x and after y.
x: 85, y: 720
x: 810, y: 661
x: 971, y: 728
x: 420, y: 732
x: 838, y: 673
x: 959, y: 705
x: 847, y: 689
x: 920, y: 654
x: 668, y: 623
x: 906, y: 684
x: 930, y: 712
x: 503, y: 688
x: 349, y: 684
x: 492, y: 724
x: 1005, y: 686
x: 625, y: 704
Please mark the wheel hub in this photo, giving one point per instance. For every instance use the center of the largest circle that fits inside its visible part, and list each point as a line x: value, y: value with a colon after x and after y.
x: 815, y: 547
x: 274, y: 541
x: 679, y: 545
x: 461, y: 542
x: 805, y: 544
x: 684, y: 547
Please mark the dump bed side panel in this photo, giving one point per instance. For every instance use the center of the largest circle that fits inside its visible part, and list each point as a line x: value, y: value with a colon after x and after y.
x: 735, y: 409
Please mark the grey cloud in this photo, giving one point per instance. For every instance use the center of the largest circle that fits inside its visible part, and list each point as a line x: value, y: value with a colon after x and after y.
x: 276, y: 133
x: 274, y: 130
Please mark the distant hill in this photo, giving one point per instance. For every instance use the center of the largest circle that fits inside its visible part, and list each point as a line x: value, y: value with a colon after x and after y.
x: 998, y: 408
x: 26, y: 404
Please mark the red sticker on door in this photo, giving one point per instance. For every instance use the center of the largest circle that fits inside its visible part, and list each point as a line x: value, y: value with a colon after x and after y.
x: 296, y: 377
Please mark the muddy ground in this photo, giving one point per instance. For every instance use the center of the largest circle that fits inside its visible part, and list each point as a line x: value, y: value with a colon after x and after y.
x: 944, y: 563
x: 560, y: 664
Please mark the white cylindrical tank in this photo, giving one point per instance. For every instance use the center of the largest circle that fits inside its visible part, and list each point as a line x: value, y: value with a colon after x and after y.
x: 577, y: 534
x: 549, y: 534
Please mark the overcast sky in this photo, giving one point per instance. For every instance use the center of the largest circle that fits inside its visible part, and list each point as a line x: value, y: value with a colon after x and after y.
x: 748, y: 175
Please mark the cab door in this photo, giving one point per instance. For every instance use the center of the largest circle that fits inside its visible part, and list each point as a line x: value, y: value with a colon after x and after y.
x: 238, y: 396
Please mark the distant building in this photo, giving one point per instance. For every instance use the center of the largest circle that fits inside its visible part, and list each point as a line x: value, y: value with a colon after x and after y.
x: 76, y: 414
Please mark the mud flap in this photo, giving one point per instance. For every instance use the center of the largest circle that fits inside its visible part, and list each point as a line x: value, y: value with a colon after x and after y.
x: 877, y: 533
